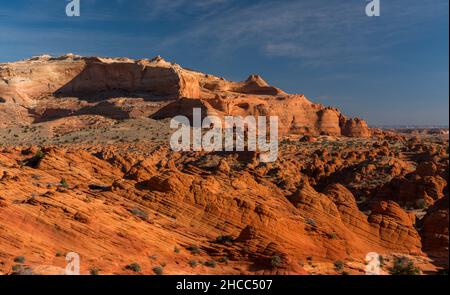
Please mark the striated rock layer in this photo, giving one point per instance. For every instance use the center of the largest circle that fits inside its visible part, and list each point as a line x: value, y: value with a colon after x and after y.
x: 115, y: 208
x: 85, y: 167
x: 26, y: 87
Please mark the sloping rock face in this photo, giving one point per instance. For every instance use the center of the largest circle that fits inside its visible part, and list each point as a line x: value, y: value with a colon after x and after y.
x: 116, y: 208
x: 389, y: 226
x: 435, y: 231
x: 421, y: 188
x: 33, y: 85
x: 115, y: 201
x: 355, y: 128
x: 27, y: 81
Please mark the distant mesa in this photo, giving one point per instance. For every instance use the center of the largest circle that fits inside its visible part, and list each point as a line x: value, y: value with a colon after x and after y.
x: 27, y: 87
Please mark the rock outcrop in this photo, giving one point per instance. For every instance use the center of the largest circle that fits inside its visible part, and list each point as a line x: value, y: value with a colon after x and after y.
x: 35, y: 87
x: 85, y: 166
x: 435, y: 231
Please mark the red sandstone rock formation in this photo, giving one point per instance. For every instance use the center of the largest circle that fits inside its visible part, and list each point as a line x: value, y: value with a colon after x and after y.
x: 327, y: 198
x: 435, y: 231
x: 27, y: 87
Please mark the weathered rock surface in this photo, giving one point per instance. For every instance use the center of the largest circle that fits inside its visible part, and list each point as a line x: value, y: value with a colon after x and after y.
x: 125, y: 209
x: 36, y: 88
x: 84, y: 168
x: 435, y: 231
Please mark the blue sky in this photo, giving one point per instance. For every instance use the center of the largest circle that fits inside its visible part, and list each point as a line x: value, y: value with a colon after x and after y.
x: 389, y: 70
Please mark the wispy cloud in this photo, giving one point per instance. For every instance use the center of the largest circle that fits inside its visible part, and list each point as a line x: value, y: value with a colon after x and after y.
x: 309, y: 30
x: 313, y: 32
x: 174, y: 8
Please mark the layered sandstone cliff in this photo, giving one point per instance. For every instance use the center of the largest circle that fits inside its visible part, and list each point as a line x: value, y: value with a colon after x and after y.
x: 31, y: 88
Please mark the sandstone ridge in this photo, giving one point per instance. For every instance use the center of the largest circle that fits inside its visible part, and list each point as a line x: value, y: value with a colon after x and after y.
x: 30, y: 89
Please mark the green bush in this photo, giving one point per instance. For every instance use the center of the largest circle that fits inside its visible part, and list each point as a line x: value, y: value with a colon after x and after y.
x: 311, y: 222
x: 194, y: 249
x: 19, y: 259
x: 134, y: 267
x: 64, y: 183
x: 223, y: 259
x: 339, y: 265
x: 276, y: 261
x: 139, y: 213
x: 332, y: 236
x: 36, y: 159
x: 225, y: 239
x: 421, y: 204
x: 192, y: 263
x: 211, y: 264
x: 21, y: 270
x: 158, y: 270
x: 404, y: 266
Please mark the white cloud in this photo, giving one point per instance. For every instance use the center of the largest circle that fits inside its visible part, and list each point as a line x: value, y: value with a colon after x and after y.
x: 311, y: 30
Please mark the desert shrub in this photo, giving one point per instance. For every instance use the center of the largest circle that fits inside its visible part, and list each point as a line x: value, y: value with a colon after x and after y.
x: 194, y: 249
x: 224, y: 259
x: 19, y: 259
x: 421, y: 204
x: 192, y: 263
x: 134, y: 267
x: 64, y: 183
x: 276, y: 261
x: 158, y: 270
x: 211, y: 264
x: 35, y: 160
x: 225, y: 239
x: 311, y: 222
x: 80, y: 218
x: 176, y: 250
x: 139, y: 213
x: 20, y: 270
x: 339, y: 265
x: 94, y: 271
x: 332, y: 236
x: 404, y: 266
